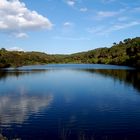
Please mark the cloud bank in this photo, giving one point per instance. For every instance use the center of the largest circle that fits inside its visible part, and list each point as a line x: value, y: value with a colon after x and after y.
x: 16, y: 18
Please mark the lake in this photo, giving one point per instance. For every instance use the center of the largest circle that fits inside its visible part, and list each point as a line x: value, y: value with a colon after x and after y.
x: 70, y: 102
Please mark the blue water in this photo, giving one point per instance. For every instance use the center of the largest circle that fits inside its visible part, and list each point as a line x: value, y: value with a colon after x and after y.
x: 70, y: 102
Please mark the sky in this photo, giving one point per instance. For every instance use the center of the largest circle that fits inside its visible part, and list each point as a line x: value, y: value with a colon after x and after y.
x: 67, y: 26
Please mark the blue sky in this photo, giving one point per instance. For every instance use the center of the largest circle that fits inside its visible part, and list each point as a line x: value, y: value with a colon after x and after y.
x: 67, y: 26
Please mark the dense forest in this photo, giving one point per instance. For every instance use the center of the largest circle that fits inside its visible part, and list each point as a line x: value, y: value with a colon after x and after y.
x: 125, y: 52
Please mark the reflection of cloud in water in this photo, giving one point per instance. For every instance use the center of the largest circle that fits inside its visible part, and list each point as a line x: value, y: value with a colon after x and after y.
x: 18, y: 109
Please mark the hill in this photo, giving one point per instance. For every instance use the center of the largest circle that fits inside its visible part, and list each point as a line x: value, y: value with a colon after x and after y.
x: 125, y: 52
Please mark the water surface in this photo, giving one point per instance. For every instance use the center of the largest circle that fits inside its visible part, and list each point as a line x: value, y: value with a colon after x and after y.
x: 70, y: 102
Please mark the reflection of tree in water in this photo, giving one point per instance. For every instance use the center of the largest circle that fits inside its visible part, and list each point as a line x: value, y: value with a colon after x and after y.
x: 127, y: 76
x: 16, y: 73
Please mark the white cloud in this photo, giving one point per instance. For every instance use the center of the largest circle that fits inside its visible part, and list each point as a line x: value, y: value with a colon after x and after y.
x: 100, y: 15
x: 15, y: 49
x: 68, y: 24
x: 20, y: 35
x: 15, y: 17
x: 123, y: 26
x: 105, y: 14
x: 70, y: 2
x: 108, y: 1
x: 83, y: 9
x: 103, y: 30
x: 68, y: 28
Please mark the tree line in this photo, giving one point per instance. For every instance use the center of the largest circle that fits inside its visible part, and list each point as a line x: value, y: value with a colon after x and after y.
x: 126, y: 52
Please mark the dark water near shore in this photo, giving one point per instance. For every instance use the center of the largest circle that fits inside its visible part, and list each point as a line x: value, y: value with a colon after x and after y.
x: 70, y: 102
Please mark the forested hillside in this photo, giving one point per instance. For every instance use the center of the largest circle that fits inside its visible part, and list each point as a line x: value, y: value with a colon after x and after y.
x: 16, y: 59
x: 125, y: 52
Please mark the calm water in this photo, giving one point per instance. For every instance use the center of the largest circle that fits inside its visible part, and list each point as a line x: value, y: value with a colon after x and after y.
x: 70, y: 102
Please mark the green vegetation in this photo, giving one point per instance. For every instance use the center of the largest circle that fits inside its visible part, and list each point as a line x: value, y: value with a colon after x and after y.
x: 123, y: 53
x: 16, y: 59
x: 126, y: 52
